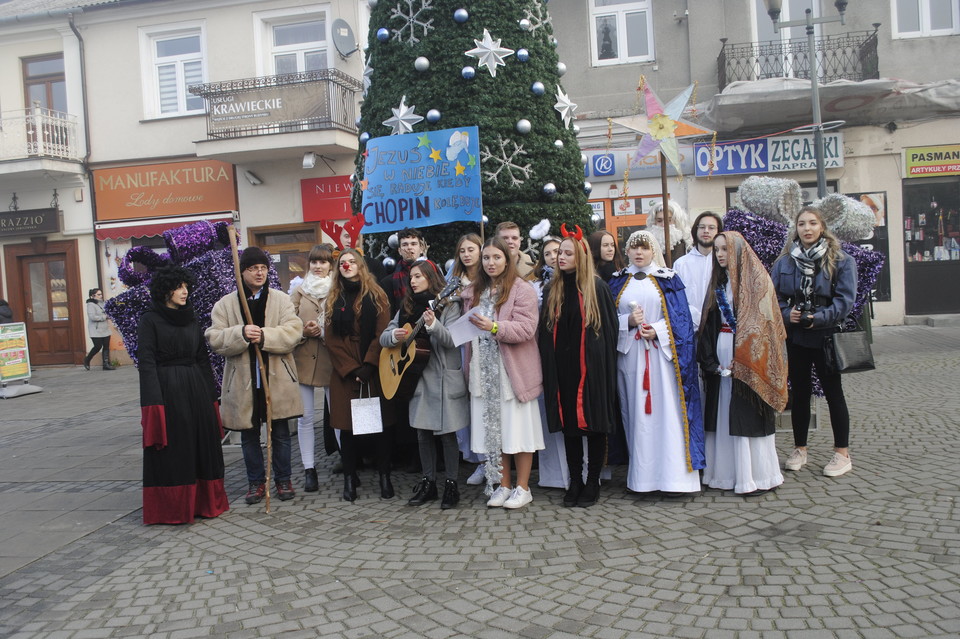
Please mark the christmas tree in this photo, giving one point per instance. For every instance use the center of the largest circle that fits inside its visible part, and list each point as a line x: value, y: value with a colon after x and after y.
x: 493, y: 64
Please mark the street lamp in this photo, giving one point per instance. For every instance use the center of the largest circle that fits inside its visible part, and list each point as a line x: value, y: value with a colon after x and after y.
x: 774, y: 8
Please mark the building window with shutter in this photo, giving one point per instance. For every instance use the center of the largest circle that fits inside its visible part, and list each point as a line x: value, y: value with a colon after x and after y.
x: 621, y: 31
x: 173, y: 60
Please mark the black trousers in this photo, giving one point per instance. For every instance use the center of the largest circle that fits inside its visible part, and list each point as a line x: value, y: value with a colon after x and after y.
x: 98, y: 343
x: 382, y: 443
x: 800, y: 362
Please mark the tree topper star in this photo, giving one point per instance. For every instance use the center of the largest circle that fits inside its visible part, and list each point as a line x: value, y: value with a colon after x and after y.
x: 489, y: 53
x: 403, y: 118
x: 564, y: 107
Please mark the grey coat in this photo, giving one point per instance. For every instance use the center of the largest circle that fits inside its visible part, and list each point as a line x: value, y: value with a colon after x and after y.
x: 97, y: 325
x: 440, y: 403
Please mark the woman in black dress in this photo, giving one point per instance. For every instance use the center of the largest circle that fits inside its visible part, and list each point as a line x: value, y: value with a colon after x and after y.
x: 182, y: 456
x: 578, y: 351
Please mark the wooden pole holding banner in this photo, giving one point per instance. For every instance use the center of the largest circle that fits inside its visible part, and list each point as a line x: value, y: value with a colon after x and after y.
x: 248, y: 316
x: 665, y: 203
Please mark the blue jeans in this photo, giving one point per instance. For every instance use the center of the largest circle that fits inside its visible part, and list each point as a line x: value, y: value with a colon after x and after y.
x: 253, y: 454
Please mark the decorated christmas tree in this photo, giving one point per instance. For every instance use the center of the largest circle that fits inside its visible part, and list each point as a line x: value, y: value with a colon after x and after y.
x: 440, y: 64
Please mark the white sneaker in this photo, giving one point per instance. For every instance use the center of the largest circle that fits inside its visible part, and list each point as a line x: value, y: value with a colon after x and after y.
x: 499, y: 496
x: 837, y: 466
x: 479, y: 476
x: 797, y: 459
x: 519, y: 498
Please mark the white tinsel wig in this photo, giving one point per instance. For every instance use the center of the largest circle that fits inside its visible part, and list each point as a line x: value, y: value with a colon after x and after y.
x: 646, y: 238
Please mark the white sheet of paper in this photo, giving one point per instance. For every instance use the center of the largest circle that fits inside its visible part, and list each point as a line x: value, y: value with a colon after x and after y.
x: 462, y: 331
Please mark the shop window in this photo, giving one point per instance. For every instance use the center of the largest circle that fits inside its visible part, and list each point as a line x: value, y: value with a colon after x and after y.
x: 922, y: 18
x: 931, y: 228
x: 289, y: 246
x: 173, y: 59
x: 621, y: 31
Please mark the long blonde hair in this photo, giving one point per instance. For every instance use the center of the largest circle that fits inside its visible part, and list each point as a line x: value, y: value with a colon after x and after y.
x: 459, y: 269
x: 503, y: 284
x: 834, y: 250
x: 368, y: 286
x: 586, y: 283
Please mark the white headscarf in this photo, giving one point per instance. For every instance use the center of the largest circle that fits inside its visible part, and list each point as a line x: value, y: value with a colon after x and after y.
x: 634, y: 240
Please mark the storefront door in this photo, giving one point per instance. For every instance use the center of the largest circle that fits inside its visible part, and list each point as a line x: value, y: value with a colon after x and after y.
x: 45, y: 285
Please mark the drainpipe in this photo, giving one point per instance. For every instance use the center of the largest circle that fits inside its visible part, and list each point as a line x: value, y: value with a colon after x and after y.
x: 86, y: 143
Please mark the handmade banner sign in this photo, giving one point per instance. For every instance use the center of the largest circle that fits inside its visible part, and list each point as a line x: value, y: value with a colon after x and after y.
x: 421, y: 179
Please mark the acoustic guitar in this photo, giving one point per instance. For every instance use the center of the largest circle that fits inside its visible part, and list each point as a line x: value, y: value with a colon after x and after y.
x: 402, y: 365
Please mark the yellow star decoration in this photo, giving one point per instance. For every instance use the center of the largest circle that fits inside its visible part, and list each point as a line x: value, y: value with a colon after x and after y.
x: 435, y: 155
x: 662, y: 126
x: 363, y: 184
x: 460, y: 168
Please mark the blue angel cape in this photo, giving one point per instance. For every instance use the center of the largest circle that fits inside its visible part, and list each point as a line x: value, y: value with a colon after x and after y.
x: 683, y: 336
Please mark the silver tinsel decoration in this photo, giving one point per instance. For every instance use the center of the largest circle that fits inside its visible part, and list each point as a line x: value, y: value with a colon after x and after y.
x: 776, y: 199
x: 849, y: 219
x: 488, y: 359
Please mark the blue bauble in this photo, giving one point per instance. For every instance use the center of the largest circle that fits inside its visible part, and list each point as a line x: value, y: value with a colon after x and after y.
x: 433, y: 116
x: 587, y: 187
x: 468, y: 73
x: 393, y: 241
x: 461, y: 15
x: 383, y: 34
x: 549, y: 189
x: 364, y: 137
x: 523, y: 55
x: 538, y: 88
x: 389, y: 264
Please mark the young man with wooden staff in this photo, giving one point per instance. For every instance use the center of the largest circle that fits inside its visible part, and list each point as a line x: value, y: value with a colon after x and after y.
x: 256, y: 330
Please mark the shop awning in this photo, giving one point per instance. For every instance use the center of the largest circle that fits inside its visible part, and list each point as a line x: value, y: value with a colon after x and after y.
x: 153, y: 226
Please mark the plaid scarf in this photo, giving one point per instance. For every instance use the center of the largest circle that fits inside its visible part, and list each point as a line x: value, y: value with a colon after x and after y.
x: 401, y: 280
x: 807, y: 261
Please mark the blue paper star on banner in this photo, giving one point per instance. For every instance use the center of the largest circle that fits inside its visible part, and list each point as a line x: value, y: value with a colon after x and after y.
x: 403, y: 118
x: 489, y: 53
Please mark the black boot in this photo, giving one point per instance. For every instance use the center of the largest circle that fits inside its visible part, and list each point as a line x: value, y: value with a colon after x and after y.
x: 590, y: 494
x: 424, y: 491
x: 310, y: 482
x: 451, y: 495
x: 386, y: 487
x: 86, y: 362
x: 572, y: 496
x: 349, y: 488
x: 107, y: 366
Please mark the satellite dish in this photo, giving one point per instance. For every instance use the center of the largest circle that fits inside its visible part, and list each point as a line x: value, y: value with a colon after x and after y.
x: 343, y: 38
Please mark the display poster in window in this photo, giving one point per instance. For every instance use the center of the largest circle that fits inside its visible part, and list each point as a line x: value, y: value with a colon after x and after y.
x: 14, y: 354
x: 879, y: 240
x: 422, y: 179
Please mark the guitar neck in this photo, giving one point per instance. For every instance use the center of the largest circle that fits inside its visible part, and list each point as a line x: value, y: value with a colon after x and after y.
x: 439, y: 305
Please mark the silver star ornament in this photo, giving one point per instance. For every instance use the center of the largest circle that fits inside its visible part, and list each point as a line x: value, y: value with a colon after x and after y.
x: 489, y: 53
x: 403, y: 118
x: 564, y: 107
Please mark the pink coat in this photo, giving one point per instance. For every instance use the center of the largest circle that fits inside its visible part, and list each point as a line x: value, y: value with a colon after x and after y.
x: 517, y: 322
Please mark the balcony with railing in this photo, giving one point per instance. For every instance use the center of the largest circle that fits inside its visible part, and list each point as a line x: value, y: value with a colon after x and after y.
x: 848, y: 56
x: 248, y: 118
x: 37, y: 133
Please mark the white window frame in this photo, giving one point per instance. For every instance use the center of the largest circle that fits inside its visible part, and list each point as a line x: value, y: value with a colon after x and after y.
x: 149, y: 36
x: 264, y: 21
x: 620, y: 12
x: 925, y: 30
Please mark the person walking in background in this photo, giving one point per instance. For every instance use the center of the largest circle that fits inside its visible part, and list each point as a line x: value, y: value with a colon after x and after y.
x: 743, y: 359
x: 696, y: 267
x: 277, y: 330
x: 505, y: 379
x: 578, y: 352
x: 607, y: 258
x: 182, y: 456
x: 658, y: 380
x: 816, y: 284
x: 357, y: 313
x: 313, y: 361
x: 98, y: 329
x: 439, y: 407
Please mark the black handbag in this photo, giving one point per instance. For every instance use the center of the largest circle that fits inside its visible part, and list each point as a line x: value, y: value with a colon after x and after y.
x: 848, y: 352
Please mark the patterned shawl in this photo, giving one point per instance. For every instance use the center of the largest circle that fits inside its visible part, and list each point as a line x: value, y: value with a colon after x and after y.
x: 760, y: 352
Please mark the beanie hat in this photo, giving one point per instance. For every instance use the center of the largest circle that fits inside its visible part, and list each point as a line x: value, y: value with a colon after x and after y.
x: 253, y: 255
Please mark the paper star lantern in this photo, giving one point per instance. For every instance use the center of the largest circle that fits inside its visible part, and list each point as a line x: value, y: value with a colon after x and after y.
x: 489, y: 52
x: 403, y: 118
x: 662, y: 126
x: 564, y: 107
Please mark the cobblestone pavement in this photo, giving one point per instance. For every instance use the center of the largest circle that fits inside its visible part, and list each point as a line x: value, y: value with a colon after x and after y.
x: 868, y: 555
